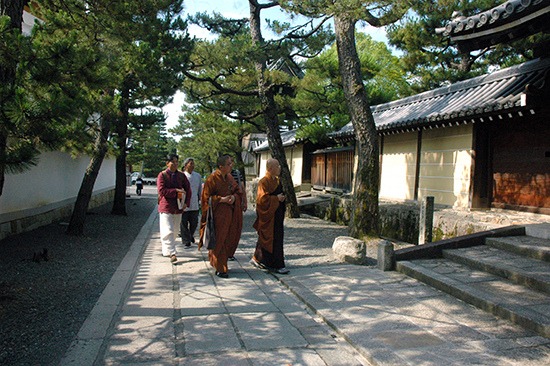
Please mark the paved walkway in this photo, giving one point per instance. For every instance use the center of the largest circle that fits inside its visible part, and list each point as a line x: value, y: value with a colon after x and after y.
x: 322, y: 313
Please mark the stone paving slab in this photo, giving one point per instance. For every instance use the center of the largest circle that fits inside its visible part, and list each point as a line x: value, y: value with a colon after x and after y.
x: 525, y: 271
x: 413, y: 327
x: 183, y: 314
x: 322, y: 313
x: 529, y: 246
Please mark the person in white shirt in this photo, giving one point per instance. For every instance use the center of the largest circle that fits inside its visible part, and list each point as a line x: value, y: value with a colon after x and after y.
x: 190, y: 217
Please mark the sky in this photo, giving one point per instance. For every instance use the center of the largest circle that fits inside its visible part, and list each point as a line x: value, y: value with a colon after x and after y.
x: 231, y: 9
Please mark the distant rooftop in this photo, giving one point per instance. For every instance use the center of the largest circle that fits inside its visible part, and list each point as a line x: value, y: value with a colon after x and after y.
x: 288, y: 137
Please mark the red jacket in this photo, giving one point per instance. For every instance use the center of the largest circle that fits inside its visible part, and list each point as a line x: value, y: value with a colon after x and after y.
x: 168, y: 195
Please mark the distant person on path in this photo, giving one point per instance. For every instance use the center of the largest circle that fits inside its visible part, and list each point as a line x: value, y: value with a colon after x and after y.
x: 228, y: 220
x: 139, y: 185
x: 171, y: 185
x: 190, y: 216
x: 270, y: 209
x: 240, y: 181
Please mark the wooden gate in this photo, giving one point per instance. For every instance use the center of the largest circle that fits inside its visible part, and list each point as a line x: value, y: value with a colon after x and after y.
x: 332, y: 169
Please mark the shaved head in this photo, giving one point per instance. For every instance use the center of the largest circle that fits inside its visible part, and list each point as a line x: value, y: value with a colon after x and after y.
x: 271, y: 163
x: 273, y: 167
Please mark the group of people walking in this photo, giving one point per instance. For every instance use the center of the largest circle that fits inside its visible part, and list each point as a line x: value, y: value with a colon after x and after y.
x: 179, y: 196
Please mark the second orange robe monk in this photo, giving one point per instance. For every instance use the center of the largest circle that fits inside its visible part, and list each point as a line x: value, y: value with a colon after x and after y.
x: 227, y: 207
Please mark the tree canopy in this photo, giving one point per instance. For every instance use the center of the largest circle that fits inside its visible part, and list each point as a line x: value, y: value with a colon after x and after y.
x: 320, y: 94
x: 240, y: 76
x: 88, y: 72
x: 205, y: 134
x: 50, y: 83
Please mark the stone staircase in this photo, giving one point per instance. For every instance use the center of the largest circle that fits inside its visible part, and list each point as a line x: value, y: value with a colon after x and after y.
x: 508, y: 276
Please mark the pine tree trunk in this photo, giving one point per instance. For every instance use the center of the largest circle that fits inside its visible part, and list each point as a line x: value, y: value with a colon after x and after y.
x: 239, y: 159
x: 365, y: 212
x: 14, y: 10
x: 78, y: 218
x: 119, y: 203
x: 3, y: 149
x: 270, y: 117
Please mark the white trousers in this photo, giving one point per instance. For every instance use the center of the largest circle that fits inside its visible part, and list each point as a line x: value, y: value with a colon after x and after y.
x: 169, y: 229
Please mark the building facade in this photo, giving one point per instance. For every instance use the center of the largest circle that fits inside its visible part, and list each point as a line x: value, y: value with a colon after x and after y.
x: 480, y: 143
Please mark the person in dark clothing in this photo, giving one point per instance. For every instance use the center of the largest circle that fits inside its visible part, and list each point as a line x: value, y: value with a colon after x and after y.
x: 270, y: 209
x: 139, y: 185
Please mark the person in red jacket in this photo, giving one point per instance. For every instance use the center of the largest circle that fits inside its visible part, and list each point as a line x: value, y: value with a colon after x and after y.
x: 172, y: 185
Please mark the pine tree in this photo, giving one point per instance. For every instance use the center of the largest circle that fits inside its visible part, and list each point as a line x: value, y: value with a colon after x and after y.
x: 320, y: 94
x: 243, y: 77
x: 346, y: 14
x: 154, y: 48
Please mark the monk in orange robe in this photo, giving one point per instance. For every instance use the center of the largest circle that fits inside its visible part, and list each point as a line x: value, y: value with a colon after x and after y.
x: 270, y: 210
x: 228, y: 219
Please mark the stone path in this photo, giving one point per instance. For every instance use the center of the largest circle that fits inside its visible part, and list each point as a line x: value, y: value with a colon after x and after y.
x: 322, y: 313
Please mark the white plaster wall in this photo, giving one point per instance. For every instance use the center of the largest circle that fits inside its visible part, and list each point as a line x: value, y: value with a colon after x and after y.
x: 265, y: 156
x: 398, y: 166
x: 295, y: 161
x: 445, y: 165
x: 294, y: 158
x: 56, y: 178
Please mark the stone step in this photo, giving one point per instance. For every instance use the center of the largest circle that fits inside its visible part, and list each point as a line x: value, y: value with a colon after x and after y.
x: 496, y: 295
x: 527, y: 246
x: 540, y: 230
x: 520, y: 270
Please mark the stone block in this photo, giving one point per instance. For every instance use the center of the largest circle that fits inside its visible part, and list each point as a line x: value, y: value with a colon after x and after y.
x: 350, y: 250
x: 385, y: 256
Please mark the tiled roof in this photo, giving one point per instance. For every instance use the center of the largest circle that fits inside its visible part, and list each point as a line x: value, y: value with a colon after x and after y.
x: 288, y: 137
x: 474, y: 97
x: 512, y: 20
x: 494, y: 17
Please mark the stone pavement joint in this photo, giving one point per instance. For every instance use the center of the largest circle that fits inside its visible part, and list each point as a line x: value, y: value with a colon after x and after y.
x: 322, y: 313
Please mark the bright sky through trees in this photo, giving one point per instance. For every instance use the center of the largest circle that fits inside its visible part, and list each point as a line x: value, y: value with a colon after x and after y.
x: 234, y: 9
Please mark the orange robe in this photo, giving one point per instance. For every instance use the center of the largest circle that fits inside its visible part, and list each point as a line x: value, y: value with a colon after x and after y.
x: 227, y: 221
x: 269, y: 223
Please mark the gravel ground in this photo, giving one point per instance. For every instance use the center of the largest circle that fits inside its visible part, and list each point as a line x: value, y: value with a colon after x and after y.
x: 43, y: 305
x: 307, y: 241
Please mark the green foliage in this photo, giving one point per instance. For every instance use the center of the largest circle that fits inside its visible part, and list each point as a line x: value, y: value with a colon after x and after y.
x: 320, y: 92
x: 47, y: 91
x: 205, y: 135
x: 149, y: 147
x: 375, y: 12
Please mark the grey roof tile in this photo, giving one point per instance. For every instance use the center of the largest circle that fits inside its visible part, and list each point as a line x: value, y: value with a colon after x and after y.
x: 288, y: 137
x: 480, y: 95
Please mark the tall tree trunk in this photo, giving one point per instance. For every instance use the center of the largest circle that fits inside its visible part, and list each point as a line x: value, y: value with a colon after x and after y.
x: 365, y: 218
x: 119, y: 203
x: 270, y: 115
x: 3, y: 150
x: 78, y: 218
x: 239, y: 158
x: 14, y: 10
